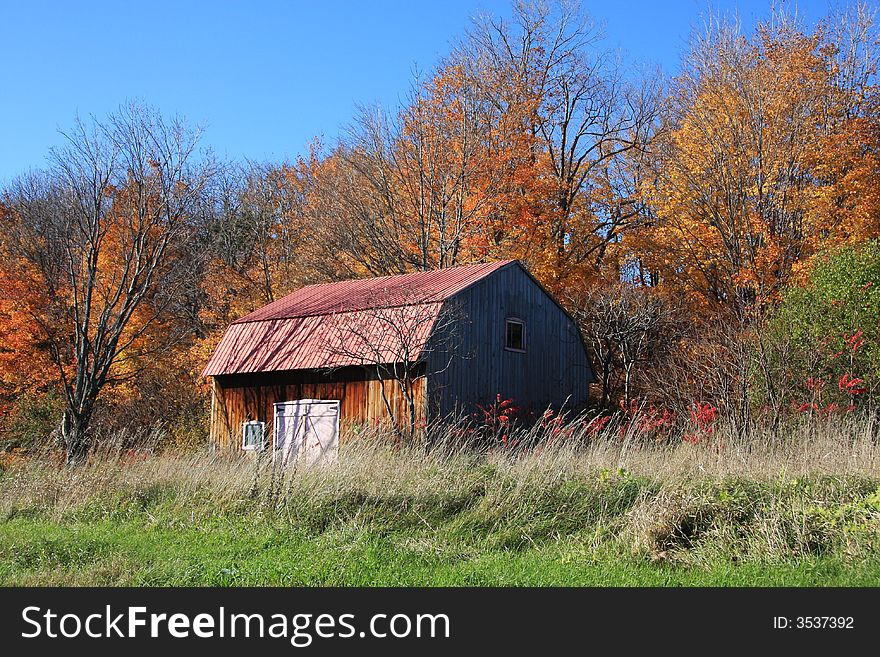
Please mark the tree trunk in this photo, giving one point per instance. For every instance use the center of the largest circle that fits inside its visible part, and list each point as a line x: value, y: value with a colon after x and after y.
x: 397, y: 431
x: 75, y: 431
x: 606, y: 383
x: 411, y: 409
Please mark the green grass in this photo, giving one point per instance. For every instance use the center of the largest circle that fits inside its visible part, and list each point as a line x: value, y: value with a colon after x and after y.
x: 806, y: 514
x: 38, y: 552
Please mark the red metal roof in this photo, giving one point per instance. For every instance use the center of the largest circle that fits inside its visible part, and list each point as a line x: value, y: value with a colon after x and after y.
x: 357, y: 322
x: 361, y: 294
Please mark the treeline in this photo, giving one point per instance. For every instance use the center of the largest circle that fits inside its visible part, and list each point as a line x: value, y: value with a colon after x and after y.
x: 711, y: 231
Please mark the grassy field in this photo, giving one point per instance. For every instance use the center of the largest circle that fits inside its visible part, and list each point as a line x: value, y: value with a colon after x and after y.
x: 804, y: 510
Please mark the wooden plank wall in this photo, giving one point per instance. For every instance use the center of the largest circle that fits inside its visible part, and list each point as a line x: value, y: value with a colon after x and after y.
x: 360, y: 403
x: 554, y: 370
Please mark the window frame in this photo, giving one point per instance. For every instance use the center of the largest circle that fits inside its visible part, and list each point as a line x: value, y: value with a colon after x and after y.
x: 253, y: 448
x: 515, y: 320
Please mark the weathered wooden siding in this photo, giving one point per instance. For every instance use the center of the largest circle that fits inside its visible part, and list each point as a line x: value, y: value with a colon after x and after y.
x: 553, y: 371
x: 235, y: 401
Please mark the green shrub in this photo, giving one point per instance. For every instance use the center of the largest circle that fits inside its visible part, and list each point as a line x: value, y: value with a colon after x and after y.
x: 824, y: 339
x: 33, y: 419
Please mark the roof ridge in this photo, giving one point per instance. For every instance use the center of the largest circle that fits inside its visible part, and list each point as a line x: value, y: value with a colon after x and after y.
x: 426, y: 302
x: 408, y: 273
x: 409, y: 289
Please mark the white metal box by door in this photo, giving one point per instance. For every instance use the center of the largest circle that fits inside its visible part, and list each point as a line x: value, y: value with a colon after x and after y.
x: 306, y: 432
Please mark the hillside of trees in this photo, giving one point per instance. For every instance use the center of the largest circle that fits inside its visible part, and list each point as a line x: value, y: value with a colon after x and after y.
x: 715, y: 232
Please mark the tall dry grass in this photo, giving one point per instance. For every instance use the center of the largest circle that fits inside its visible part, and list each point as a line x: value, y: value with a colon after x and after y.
x: 814, y: 489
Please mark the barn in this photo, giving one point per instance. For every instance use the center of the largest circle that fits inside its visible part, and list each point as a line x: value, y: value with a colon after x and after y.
x: 401, y: 349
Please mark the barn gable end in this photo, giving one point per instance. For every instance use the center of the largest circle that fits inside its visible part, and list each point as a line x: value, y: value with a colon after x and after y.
x: 279, y: 353
x: 553, y: 371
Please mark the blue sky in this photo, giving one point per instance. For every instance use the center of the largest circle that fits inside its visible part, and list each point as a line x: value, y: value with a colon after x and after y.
x: 264, y: 77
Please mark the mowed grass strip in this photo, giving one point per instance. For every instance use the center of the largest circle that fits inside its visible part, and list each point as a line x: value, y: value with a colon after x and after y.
x: 39, y: 553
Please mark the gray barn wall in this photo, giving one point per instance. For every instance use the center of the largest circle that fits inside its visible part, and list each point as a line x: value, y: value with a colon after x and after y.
x: 553, y: 371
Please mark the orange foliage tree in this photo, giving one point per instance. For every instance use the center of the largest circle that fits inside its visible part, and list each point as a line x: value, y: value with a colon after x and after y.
x: 25, y: 361
x: 760, y: 163
x: 569, y: 102
x: 107, y: 233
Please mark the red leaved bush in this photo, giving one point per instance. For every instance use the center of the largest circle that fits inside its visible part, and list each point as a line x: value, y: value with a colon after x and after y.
x: 703, y: 419
x: 496, y: 418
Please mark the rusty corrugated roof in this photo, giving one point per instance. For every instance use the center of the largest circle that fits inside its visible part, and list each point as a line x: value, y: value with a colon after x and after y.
x: 355, y: 322
x: 364, y: 293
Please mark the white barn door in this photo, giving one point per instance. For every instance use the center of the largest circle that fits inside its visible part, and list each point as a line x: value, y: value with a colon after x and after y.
x: 306, y: 432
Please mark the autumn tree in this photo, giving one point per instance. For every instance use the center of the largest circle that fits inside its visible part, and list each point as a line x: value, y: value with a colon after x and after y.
x: 414, y: 187
x: 765, y: 147
x: 548, y: 77
x: 109, y: 230
x: 256, y: 231
x: 628, y: 328
x: 21, y: 339
x: 512, y: 148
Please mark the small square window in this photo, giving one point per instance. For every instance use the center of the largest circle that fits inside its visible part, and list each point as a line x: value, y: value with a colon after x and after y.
x: 253, y: 436
x: 515, y: 335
